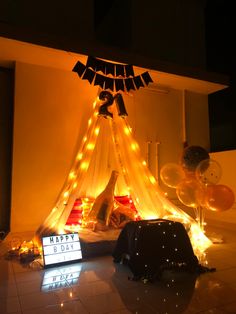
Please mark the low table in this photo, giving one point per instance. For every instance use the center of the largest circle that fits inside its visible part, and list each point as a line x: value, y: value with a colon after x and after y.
x: 150, y: 246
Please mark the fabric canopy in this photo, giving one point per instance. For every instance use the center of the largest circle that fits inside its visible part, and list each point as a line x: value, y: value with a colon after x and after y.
x: 109, y: 145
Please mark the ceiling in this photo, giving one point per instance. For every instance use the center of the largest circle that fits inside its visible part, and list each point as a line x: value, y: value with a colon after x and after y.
x: 14, y: 50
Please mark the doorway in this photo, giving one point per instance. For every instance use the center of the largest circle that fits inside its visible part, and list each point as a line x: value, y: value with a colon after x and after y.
x: 6, y: 144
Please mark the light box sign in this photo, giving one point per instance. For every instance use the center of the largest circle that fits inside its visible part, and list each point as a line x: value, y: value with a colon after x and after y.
x: 63, y: 248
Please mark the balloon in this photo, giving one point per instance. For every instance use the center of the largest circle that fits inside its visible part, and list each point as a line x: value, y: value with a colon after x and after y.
x: 192, y: 156
x: 190, y: 192
x: 120, y: 105
x: 191, y: 175
x: 208, y: 171
x: 171, y: 174
x: 103, y: 109
x: 219, y: 197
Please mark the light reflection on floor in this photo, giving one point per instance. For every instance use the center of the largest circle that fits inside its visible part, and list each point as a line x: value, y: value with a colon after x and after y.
x: 61, y: 277
x: 100, y: 286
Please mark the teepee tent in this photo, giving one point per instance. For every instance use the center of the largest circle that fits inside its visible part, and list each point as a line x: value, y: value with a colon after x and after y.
x: 109, y: 145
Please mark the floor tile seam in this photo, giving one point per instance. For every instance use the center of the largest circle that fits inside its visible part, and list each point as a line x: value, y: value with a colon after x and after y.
x: 11, y: 281
x: 110, y: 312
x: 67, y: 301
x: 23, y: 272
x: 86, y: 298
x: 53, y: 293
x: 222, y: 306
x: 202, y: 311
x: 10, y: 297
x: 125, y: 287
x: 26, y: 281
x: 86, y: 285
x: 219, y: 270
x: 116, y: 311
x: 229, y: 285
x: 109, y: 281
x: 81, y: 296
x: 215, y: 307
x: 40, y: 307
x: 13, y: 275
x: 151, y: 307
x: 17, y: 289
x: 90, y: 281
x: 84, y: 305
x: 57, y: 303
x: 232, y: 267
x: 18, y: 296
x: 221, y: 273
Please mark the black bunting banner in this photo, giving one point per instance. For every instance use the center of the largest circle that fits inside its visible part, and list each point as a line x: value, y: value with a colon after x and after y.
x: 79, y: 68
x: 123, y: 75
x: 89, y: 75
x: 147, y: 78
x: 115, y: 69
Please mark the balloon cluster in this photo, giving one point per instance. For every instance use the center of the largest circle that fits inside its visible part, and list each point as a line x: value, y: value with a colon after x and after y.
x: 196, y: 180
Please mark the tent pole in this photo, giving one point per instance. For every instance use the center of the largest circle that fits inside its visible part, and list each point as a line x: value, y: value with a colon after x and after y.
x: 148, y: 148
x: 184, y: 133
x: 157, y: 161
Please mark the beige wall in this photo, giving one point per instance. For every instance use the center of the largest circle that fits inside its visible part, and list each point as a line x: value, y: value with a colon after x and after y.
x: 197, y: 120
x: 52, y: 108
x: 158, y: 117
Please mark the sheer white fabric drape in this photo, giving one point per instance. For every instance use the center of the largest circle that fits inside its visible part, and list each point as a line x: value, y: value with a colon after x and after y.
x: 109, y: 145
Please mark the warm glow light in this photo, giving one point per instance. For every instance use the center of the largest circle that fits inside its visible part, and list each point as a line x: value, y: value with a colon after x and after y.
x: 84, y: 165
x: 90, y: 146
x: 126, y: 130
x: 61, y: 230
x: 152, y: 179
x: 79, y: 156
x: 199, y: 241
x: 148, y: 202
x: 133, y: 146
x: 71, y: 175
x: 126, y: 192
x: 24, y: 249
x: 97, y: 131
x: 150, y: 217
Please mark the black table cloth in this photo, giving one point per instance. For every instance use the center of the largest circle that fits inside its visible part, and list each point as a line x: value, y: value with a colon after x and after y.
x: 151, y: 246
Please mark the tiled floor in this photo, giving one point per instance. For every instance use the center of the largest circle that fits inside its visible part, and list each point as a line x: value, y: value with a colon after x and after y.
x: 100, y: 286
